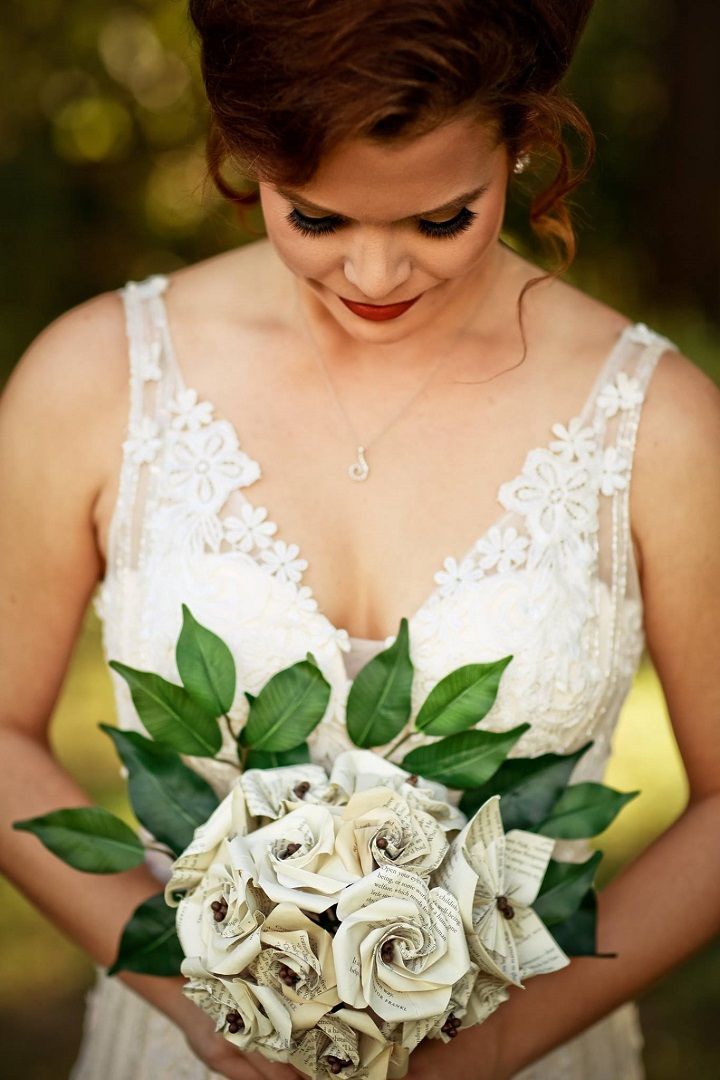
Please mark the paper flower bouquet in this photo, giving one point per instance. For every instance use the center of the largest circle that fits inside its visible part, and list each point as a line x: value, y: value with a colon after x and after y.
x: 334, y: 921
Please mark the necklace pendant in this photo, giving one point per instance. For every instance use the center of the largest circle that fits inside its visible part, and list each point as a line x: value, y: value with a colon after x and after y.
x: 359, y: 469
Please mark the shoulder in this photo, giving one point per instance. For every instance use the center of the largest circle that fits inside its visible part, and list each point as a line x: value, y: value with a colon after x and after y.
x: 244, y: 284
x: 74, y: 355
x: 675, y: 473
x: 68, y: 383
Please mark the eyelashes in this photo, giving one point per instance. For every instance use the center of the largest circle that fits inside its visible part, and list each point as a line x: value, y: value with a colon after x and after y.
x: 325, y: 226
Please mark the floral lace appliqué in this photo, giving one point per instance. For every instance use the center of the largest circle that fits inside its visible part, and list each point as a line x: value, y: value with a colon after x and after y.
x: 502, y: 549
x: 574, y: 441
x: 614, y: 472
x: 250, y: 530
x: 143, y: 442
x: 623, y: 393
x: 205, y: 465
x: 455, y: 573
x: 189, y: 413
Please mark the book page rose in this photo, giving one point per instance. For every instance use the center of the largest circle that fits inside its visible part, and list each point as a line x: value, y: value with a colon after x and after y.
x: 296, y: 958
x: 251, y: 1017
x: 400, y: 947
x: 270, y: 793
x: 380, y: 828
x: 227, y: 820
x: 359, y: 770
x: 219, y: 922
x: 295, y: 860
x: 348, y: 1043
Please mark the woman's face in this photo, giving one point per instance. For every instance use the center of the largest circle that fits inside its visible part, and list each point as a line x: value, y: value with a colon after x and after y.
x: 382, y: 223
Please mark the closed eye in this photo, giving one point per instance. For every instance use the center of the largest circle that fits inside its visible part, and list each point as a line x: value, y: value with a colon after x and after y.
x: 325, y: 226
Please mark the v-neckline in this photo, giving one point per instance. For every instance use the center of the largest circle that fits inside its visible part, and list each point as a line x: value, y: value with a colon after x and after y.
x: 183, y: 388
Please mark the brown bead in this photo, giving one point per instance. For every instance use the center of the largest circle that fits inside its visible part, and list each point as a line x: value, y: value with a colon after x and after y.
x: 289, y: 850
x: 412, y: 780
x: 505, y: 907
x: 451, y: 1034
x: 301, y: 789
x: 381, y: 842
x: 387, y: 951
x: 334, y: 1066
x: 235, y: 1022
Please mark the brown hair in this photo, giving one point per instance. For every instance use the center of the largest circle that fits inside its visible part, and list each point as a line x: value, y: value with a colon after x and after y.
x: 287, y: 80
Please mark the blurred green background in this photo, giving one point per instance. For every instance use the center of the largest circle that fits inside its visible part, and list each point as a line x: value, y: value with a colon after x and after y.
x: 102, y: 179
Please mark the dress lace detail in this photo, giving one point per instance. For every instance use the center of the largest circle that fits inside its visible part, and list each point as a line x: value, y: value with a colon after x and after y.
x: 551, y: 581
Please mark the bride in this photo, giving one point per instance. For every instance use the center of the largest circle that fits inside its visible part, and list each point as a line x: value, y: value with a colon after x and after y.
x: 381, y: 410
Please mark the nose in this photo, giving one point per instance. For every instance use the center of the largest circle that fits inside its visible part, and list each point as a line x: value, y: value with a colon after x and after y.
x: 377, y: 266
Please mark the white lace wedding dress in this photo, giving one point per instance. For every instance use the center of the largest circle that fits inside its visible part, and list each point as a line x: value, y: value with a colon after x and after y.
x: 552, y: 581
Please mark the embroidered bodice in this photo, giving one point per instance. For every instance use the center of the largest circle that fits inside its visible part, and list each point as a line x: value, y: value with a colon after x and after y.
x: 553, y: 581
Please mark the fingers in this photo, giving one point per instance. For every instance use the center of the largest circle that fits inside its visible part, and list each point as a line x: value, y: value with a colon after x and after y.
x: 228, y: 1062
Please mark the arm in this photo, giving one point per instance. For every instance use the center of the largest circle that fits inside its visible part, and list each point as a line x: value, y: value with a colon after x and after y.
x: 666, y: 904
x: 62, y: 419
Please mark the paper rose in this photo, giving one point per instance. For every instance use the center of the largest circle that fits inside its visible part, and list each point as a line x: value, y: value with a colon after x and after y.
x: 219, y: 922
x: 296, y: 958
x: 379, y: 828
x: 227, y: 820
x: 400, y: 947
x: 270, y: 793
x: 495, y: 878
x: 359, y: 770
x: 251, y: 1017
x: 487, y: 994
x: 294, y: 859
x: 348, y: 1043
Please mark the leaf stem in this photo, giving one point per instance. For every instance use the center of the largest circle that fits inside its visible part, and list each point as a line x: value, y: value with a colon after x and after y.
x: 229, y: 761
x: 401, y: 740
x: 161, y: 848
x: 231, y: 729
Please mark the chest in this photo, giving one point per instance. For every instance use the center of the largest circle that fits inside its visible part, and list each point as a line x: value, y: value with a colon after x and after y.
x: 369, y: 551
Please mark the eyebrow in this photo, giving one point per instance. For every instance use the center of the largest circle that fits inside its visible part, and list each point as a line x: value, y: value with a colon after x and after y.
x: 454, y: 204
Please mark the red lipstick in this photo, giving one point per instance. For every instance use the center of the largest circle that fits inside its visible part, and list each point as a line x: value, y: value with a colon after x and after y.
x: 378, y: 312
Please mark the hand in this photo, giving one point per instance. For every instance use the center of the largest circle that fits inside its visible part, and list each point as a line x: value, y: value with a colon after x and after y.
x: 222, y: 1057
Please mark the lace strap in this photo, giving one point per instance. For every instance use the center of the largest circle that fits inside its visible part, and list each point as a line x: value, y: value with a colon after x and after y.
x: 618, y: 407
x: 142, y: 442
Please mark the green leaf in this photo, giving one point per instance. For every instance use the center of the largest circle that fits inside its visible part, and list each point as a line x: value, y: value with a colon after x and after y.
x: 170, y: 714
x: 529, y: 788
x: 88, y: 838
x: 288, y: 707
x: 378, y: 704
x: 205, y: 665
x: 465, y: 759
x: 168, y: 798
x: 149, y: 942
x: 577, y: 936
x: 270, y: 759
x: 563, y: 888
x: 461, y: 699
x: 584, y: 810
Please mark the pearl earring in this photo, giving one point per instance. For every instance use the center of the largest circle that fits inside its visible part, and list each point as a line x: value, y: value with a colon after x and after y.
x: 521, y: 163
